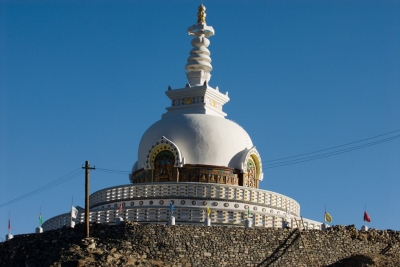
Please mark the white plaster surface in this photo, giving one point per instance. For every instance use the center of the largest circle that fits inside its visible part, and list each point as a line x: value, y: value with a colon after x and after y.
x: 202, y: 139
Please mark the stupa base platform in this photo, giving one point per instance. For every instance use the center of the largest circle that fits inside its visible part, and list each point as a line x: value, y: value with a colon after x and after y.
x: 150, y: 204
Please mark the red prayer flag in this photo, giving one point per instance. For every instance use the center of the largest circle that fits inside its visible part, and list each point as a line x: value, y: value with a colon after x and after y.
x: 366, y: 217
x: 9, y: 225
x: 120, y: 207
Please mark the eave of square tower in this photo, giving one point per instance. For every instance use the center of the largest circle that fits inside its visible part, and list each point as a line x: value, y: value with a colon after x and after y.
x: 196, y: 100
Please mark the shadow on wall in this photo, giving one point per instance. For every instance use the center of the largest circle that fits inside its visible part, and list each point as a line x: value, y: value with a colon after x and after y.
x: 281, y: 250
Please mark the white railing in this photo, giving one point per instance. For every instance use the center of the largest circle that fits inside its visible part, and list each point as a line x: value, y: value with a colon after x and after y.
x: 195, y: 190
x: 149, y: 203
x: 183, y: 216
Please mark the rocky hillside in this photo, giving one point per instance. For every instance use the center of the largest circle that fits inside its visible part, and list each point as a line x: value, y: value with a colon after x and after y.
x: 130, y: 244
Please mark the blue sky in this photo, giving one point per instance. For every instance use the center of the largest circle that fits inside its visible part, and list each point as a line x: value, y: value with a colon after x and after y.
x: 84, y: 80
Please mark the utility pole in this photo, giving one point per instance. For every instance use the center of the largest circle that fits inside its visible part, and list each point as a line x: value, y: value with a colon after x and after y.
x: 87, y: 176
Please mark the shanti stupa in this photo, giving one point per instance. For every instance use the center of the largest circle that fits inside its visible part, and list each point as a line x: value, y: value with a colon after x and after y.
x: 195, y: 159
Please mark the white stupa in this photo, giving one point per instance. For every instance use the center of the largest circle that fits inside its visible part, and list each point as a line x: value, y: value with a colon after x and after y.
x: 196, y: 159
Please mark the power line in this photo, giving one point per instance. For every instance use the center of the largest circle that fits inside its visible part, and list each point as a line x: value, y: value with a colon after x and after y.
x: 110, y: 170
x: 113, y: 171
x: 333, y: 147
x: 294, y: 161
x: 59, y: 181
x: 341, y: 151
x: 78, y: 172
x: 56, y: 182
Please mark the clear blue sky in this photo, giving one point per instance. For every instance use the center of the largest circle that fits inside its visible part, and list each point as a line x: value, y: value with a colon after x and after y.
x: 83, y: 80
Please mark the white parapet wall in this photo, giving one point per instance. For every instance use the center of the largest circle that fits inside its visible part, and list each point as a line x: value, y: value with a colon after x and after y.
x: 108, y: 197
x: 149, y: 203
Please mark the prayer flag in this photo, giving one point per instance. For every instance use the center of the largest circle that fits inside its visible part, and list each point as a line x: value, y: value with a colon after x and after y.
x: 366, y: 217
x: 248, y: 212
x: 208, y: 211
x: 328, y: 217
x: 74, y: 212
x: 9, y: 225
x: 40, y: 219
x: 171, y: 207
x: 120, y: 207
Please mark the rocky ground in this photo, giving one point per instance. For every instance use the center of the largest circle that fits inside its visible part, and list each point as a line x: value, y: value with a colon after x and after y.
x: 130, y: 244
x: 69, y: 248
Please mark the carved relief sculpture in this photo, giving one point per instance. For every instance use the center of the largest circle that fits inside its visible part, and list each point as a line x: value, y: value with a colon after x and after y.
x: 163, y: 166
x: 251, y: 169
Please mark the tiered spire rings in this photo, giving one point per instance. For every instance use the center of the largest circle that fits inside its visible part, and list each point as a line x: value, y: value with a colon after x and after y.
x: 198, y: 65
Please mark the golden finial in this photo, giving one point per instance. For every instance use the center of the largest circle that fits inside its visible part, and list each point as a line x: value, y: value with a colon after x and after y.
x: 201, y: 15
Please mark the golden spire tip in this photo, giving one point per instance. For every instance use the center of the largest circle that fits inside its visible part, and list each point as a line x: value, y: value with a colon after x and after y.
x: 201, y: 15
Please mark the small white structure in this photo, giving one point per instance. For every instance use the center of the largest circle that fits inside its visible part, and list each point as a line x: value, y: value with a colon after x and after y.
x: 9, y: 236
x: 364, y: 228
x: 172, y: 220
x: 39, y: 230
x: 248, y: 223
x: 324, y: 227
x: 207, y: 222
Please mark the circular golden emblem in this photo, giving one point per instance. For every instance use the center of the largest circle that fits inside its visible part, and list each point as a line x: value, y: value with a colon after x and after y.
x: 188, y: 101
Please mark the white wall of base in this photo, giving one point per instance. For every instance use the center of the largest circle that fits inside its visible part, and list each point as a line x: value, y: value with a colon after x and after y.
x: 149, y: 204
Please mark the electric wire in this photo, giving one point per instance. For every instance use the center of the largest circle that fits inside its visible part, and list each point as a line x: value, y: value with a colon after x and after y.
x: 294, y: 161
x: 59, y: 181
x: 54, y: 183
x: 333, y: 147
x: 108, y: 170
x: 43, y: 188
x: 113, y: 171
x: 267, y: 165
x: 341, y: 151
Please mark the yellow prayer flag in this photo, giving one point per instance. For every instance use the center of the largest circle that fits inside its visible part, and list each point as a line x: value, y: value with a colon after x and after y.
x: 328, y: 217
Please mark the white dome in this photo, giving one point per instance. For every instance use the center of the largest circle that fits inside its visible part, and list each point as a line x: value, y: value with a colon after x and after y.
x: 201, y: 139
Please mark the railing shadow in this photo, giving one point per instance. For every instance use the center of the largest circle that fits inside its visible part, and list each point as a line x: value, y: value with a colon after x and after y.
x: 386, y: 249
x: 281, y: 249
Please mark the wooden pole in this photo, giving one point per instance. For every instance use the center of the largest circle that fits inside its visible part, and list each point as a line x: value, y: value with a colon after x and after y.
x: 87, y: 179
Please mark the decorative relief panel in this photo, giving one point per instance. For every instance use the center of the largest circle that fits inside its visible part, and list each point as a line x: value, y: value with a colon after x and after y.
x: 251, y: 173
x: 163, y: 166
x: 144, y: 176
x: 165, y: 171
x: 207, y: 175
x: 252, y: 166
x: 161, y: 145
x: 187, y: 101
